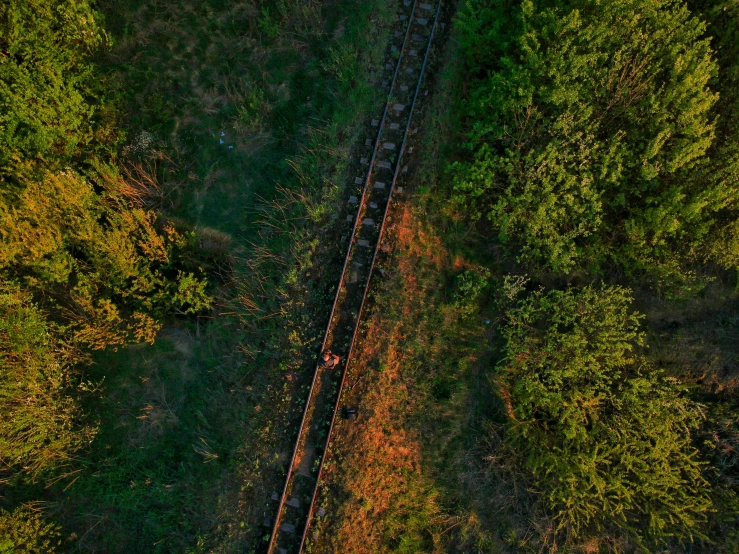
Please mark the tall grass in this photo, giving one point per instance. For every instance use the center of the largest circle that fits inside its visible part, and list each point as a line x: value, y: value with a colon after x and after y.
x: 250, y: 121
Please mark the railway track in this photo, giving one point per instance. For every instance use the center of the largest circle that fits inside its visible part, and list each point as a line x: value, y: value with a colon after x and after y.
x: 296, y: 506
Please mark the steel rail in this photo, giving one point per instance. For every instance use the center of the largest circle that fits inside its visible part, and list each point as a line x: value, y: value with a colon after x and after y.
x: 372, y: 265
x: 316, y: 372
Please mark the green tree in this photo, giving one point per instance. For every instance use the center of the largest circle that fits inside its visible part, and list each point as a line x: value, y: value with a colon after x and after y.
x: 722, y: 171
x: 586, y: 120
x: 83, y: 263
x: 606, y: 438
x: 46, y: 78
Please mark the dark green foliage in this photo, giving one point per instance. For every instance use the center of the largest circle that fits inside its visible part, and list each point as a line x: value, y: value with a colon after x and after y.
x: 469, y: 286
x: 589, y: 124
x: 605, y: 436
x: 722, y: 171
x: 719, y: 437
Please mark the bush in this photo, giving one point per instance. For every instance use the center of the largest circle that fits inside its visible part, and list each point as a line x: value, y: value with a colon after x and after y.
x: 101, y: 261
x: 606, y: 437
x: 39, y: 432
x: 25, y: 532
x: 589, y: 123
x: 469, y: 287
x: 46, y: 78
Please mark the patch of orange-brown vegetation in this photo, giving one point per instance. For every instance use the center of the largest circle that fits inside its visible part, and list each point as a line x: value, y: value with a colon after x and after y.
x: 383, y: 466
x: 383, y: 498
x: 417, y: 245
x: 418, y: 242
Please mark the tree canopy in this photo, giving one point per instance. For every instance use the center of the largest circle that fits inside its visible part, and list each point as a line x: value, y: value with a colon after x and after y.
x: 590, y: 124
x: 605, y: 436
x: 47, y: 82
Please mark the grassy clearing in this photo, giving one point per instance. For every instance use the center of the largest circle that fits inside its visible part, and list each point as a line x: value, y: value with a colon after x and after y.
x: 241, y: 120
x: 235, y: 91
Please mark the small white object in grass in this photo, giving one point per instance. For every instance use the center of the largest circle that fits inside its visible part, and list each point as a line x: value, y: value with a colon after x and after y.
x: 223, y: 133
x: 230, y: 147
x: 220, y: 141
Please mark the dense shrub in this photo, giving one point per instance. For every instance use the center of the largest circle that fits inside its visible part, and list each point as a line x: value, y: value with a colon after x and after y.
x: 24, y: 531
x: 46, y: 78
x: 100, y: 260
x: 589, y: 124
x: 606, y: 438
x: 83, y: 263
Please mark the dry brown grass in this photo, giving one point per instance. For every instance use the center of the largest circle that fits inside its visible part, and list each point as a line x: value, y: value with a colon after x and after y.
x: 382, y: 473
